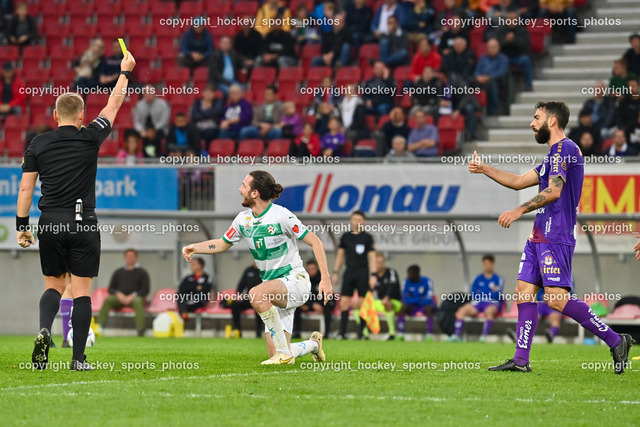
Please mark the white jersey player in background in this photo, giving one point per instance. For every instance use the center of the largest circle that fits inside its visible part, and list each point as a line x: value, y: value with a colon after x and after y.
x: 272, y: 232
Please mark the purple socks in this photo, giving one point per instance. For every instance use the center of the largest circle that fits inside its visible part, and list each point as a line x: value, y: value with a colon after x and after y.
x: 525, y: 329
x: 554, y: 331
x: 66, y: 305
x: 459, y: 324
x: 582, y: 313
x: 487, y: 327
x: 429, y: 325
x: 400, y: 324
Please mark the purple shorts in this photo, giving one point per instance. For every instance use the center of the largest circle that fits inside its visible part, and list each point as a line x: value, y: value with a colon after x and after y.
x: 481, y: 306
x: 546, y: 264
x: 419, y: 308
x: 544, y: 310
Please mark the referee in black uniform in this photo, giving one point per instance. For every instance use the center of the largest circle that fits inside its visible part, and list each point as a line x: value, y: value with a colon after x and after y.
x: 357, y: 247
x: 67, y: 161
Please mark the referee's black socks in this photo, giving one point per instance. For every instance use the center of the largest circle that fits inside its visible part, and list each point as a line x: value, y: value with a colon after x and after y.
x: 80, y: 322
x: 49, y: 306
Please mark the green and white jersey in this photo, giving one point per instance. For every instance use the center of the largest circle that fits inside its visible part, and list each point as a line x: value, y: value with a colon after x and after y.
x: 272, y: 240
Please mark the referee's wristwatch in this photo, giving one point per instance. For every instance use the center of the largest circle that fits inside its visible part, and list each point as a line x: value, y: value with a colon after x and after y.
x: 127, y: 74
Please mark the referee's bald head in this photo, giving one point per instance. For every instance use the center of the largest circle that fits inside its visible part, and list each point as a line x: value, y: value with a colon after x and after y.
x: 69, y: 106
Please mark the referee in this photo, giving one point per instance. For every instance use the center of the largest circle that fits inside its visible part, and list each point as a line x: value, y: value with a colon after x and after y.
x: 357, y: 248
x: 67, y: 161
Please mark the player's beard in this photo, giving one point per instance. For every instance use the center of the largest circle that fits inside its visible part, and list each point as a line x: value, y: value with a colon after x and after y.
x: 247, y: 203
x: 543, y: 134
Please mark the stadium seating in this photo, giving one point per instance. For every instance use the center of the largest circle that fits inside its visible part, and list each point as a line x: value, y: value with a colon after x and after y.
x: 222, y: 147
x: 625, y: 312
x: 97, y: 299
x: 163, y: 300
x: 278, y: 148
x: 251, y: 148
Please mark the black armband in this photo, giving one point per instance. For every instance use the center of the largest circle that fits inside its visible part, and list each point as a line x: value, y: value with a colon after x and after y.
x: 22, y: 223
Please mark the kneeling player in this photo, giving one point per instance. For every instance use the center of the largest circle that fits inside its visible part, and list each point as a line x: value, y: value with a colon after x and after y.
x: 272, y: 232
x: 486, y: 295
x: 418, y: 296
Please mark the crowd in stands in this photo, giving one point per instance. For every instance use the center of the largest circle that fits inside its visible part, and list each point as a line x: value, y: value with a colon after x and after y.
x: 360, y: 72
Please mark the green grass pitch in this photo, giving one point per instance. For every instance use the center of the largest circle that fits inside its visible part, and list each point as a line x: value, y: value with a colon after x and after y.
x: 221, y: 382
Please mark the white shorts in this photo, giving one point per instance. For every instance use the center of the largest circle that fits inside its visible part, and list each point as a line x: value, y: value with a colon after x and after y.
x: 298, y: 292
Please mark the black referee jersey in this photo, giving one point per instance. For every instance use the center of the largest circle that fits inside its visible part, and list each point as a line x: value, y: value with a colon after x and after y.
x: 67, y: 160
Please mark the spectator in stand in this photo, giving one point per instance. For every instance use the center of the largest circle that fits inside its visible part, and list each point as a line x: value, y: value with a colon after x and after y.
x: 303, y: 34
x: 528, y: 8
x: 419, y: 20
x: 13, y: 99
x: 359, y: 17
x: 426, y: 56
x: 306, y: 144
x: 378, y: 95
x: 461, y: 101
x: 273, y: 10
x: 380, y: 22
x: 267, y: 118
x: 332, y: 143
x: 620, y: 77
x: 151, y: 111
x: 396, y: 125
x: 428, y: 92
x: 226, y: 66
x: 183, y: 136
x: 562, y: 11
x: 417, y: 296
x: 152, y: 142
x: 291, y: 121
x: 194, y: 291
x: 196, y: 46
x: 324, y: 112
x: 398, y: 152
x: 501, y: 9
x: 336, y: 46
x: 491, y: 73
x: 87, y: 67
x: 515, y: 44
x: 454, y: 31
x: 129, y: 287
x: 629, y: 106
x: 460, y: 61
x: 620, y: 147
x: 423, y: 139
x: 22, y: 28
x: 248, y: 44
x: 602, y: 108
x: 237, y: 115
x: 445, y: 17
x: 132, y: 151
x: 394, y: 46
x: 109, y: 68
x: 587, y: 145
x: 633, y: 133
x: 352, y: 115
x: 632, y: 55
x: 328, y: 95
x: 278, y: 49
x: 206, y: 113
x: 241, y: 302
x: 585, y: 124
x: 324, y: 13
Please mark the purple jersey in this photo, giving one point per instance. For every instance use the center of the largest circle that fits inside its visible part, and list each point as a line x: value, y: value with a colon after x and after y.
x: 335, y: 142
x: 556, y: 222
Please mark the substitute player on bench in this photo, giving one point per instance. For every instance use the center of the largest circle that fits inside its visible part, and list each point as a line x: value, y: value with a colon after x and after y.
x: 67, y: 161
x: 546, y: 260
x: 272, y: 232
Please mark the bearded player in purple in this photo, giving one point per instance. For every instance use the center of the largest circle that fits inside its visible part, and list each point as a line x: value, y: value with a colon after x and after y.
x: 546, y: 261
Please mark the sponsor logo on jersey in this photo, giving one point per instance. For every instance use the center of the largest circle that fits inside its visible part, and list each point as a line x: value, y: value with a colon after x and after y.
x: 296, y: 229
x: 360, y: 248
x: 548, y: 260
x: 271, y: 229
x: 230, y: 233
x: 525, y: 332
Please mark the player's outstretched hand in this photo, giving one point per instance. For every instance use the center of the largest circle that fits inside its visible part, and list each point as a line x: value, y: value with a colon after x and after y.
x: 187, y: 252
x: 25, y: 239
x: 128, y: 62
x: 475, y: 165
x: 636, y: 248
x: 325, y: 290
x: 507, y: 218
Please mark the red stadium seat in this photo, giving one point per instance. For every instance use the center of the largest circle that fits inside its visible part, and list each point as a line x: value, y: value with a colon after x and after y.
x: 316, y: 74
x: 382, y: 120
x: 412, y: 121
x: 191, y: 8
x: 278, y: 148
x: 302, y: 101
x: 9, y: 53
x: 163, y: 300
x: 606, y: 145
x: 14, y: 142
x: 512, y: 313
x: 449, y: 131
x: 244, y: 7
x: 105, y: 21
x: 263, y: 74
x: 109, y: 148
x: 368, y: 145
x: 538, y: 38
x: 368, y: 52
x: 134, y: 7
x: 308, y: 52
x: 367, y: 73
x: 97, y: 298
x: 625, y: 311
x: 447, y: 122
x: 106, y: 7
x: 251, y: 148
x: 167, y: 45
x: 371, y: 122
x: 34, y: 52
x: 79, y: 18
x: 16, y: 122
x: 217, y: 8
x: 62, y: 52
x: 291, y: 74
x: 222, y: 147
x: 347, y: 75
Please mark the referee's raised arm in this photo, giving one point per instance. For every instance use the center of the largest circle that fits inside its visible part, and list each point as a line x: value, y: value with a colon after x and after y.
x: 119, y: 93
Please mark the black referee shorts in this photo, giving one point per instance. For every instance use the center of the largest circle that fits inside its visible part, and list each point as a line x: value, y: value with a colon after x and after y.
x: 67, y: 246
x: 355, y: 280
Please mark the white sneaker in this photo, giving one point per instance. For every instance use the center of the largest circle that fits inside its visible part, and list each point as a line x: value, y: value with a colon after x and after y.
x: 318, y: 355
x: 279, y: 359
